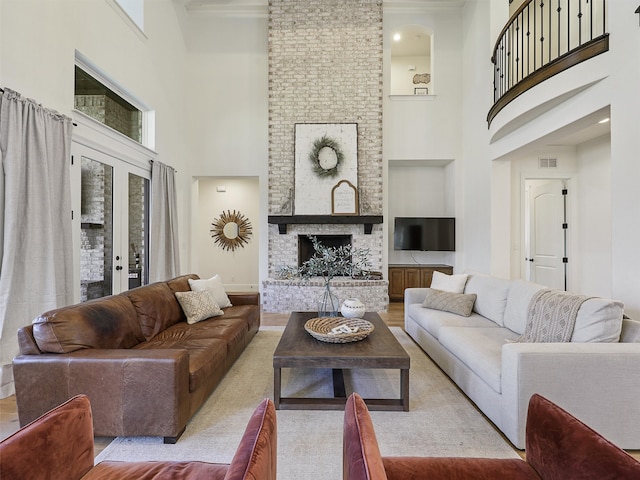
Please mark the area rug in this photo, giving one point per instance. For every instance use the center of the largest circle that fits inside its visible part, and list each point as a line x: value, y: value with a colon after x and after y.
x: 441, y: 420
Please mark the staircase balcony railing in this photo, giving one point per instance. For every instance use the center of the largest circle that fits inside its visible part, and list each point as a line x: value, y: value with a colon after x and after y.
x: 543, y: 38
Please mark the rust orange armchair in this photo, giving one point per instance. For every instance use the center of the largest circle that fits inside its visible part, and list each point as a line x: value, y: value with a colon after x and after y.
x: 59, y: 446
x: 559, y: 447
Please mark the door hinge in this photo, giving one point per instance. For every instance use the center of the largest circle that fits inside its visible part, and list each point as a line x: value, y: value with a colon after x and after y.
x: 565, y: 191
x: 565, y: 226
x: 565, y: 260
x: 71, y: 159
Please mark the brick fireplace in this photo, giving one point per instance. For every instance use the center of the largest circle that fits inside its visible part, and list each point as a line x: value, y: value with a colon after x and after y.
x: 325, y: 66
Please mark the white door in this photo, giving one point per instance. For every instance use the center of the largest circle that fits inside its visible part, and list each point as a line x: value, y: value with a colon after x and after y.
x: 546, y: 233
x: 112, y: 224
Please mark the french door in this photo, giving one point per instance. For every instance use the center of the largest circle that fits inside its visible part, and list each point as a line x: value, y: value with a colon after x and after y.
x: 112, y: 225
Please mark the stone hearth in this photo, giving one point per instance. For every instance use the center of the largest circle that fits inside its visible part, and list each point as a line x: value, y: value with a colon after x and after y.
x: 286, y: 295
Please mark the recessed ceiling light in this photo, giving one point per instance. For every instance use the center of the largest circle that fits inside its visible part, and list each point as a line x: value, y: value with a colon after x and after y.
x: 397, y: 37
x: 604, y: 120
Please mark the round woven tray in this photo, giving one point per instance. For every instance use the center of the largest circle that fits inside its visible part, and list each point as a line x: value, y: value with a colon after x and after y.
x: 320, y: 329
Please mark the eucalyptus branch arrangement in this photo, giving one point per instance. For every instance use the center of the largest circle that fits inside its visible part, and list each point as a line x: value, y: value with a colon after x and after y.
x: 330, y: 262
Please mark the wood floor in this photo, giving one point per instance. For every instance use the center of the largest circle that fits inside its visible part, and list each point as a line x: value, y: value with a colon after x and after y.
x: 394, y: 317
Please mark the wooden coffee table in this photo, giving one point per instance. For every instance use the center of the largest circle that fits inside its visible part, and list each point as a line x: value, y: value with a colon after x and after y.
x: 298, y: 349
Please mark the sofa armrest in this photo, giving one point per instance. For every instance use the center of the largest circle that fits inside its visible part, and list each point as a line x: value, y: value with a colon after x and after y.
x: 58, y: 445
x: 244, y: 298
x: 132, y: 392
x: 597, y: 382
x: 561, y: 446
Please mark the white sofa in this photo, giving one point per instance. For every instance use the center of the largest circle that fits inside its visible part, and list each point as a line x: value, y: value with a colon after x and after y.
x: 595, y: 376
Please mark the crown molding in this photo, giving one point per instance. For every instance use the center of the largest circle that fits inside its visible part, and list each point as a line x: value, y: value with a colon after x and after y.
x: 253, y: 8
x: 420, y: 6
x: 236, y: 8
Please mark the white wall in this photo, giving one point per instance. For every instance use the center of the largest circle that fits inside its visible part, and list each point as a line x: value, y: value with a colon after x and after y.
x: 227, y: 92
x: 625, y: 168
x: 239, y: 268
x: 479, y: 31
x: 424, y: 130
x: 593, y: 206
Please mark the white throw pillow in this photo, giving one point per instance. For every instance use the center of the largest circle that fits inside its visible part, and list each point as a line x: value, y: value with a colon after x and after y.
x: 492, y: 296
x: 214, y: 285
x: 598, y: 320
x: 449, y: 283
x: 198, y: 306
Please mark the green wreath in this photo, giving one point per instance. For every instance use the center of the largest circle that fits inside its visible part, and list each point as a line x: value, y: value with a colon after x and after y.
x: 314, y: 156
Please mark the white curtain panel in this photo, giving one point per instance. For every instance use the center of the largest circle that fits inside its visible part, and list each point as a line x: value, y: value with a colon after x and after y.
x: 36, y: 272
x: 164, y: 257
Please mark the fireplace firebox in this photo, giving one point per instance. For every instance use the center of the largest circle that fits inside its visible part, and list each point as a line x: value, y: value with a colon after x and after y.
x: 305, y: 246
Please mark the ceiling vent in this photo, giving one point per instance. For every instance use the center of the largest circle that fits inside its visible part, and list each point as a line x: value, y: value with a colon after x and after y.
x: 548, y: 162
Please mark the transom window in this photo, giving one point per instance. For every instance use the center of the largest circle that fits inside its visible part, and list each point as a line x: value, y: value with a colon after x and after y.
x: 104, y: 105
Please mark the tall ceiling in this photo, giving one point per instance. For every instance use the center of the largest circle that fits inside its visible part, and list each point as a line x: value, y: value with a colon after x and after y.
x: 574, y: 134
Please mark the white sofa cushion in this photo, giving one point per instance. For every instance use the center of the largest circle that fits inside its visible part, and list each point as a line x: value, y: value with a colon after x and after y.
x: 449, y: 283
x: 520, y: 295
x: 480, y: 349
x: 433, y: 320
x: 492, y: 295
x: 598, y: 320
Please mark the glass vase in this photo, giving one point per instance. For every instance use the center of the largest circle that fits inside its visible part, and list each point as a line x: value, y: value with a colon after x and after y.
x: 328, y: 304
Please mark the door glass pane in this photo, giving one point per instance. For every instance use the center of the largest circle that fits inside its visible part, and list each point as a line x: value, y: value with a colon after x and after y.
x: 96, y: 255
x: 138, y: 230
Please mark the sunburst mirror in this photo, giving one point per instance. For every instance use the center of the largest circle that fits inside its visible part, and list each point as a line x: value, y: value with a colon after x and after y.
x: 231, y: 230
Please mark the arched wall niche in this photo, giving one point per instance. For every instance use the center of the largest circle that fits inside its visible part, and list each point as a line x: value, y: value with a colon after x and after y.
x: 411, y: 63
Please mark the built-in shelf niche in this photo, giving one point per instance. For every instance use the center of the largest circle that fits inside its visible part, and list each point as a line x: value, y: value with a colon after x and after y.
x: 420, y: 188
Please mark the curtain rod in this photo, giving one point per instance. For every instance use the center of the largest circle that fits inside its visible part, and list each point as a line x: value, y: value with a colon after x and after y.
x: 72, y: 123
x: 174, y: 170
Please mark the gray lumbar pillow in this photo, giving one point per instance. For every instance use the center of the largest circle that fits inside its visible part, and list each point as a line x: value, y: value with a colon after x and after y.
x: 458, y: 303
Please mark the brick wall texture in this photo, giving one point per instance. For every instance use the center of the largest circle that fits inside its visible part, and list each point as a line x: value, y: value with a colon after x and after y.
x: 325, y: 66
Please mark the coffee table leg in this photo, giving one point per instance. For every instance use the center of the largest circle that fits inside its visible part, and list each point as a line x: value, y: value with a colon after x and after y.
x: 339, y: 390
x: 404, y: 388
x: 277, y: 379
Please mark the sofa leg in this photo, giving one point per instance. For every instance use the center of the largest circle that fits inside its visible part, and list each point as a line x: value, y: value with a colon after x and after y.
x: 173, y: 440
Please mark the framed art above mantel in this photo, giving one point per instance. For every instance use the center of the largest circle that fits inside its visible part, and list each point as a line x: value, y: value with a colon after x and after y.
x: 325, y: 154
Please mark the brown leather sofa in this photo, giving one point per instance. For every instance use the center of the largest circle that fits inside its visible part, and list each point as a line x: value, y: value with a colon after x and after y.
x: 59, y: 446
x: 558, y: 447
x: 144, y: 368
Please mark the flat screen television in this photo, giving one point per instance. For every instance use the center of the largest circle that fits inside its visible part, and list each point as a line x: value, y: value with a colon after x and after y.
x: 434, y: 234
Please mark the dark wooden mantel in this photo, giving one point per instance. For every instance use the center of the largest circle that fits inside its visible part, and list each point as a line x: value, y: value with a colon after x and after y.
x: 283, y: 220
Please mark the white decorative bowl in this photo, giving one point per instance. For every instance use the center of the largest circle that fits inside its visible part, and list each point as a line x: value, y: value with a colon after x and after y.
x: 352, y: 308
